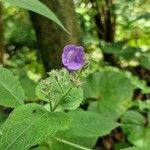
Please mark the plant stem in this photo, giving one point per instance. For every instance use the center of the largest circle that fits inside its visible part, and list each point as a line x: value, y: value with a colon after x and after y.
x: 60, y: 87
x: 62, y: 98
x: 50, y: 103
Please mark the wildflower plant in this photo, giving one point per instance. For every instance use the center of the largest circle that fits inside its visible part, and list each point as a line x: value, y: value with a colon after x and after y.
x: 56, y: 121
x: 60, y: 89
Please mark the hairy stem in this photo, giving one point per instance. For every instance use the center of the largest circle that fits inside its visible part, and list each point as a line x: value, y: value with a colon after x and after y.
x: 62, y: 98
x: 60, y: 86
x: 50, y: 103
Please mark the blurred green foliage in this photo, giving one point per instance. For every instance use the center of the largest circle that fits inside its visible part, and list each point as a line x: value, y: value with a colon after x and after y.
x: 132, y: 44
x: 131, y: 39
x: 17, y: 26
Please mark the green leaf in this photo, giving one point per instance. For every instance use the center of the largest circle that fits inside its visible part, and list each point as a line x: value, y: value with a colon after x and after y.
x: 116, y: 94
x: 138, y: 83
x: 140, y: 138
x: 73, y: 99
x: 38, y: 7
x: 11, y: 92
x: 61, y: 89
x: 28, y: 85
x: 3, y: 118
x: 121, y: 145
x: 91, y: 85
x: 29, y: 125
x: 65, y: 141
x: 85, y: 128
x: 113, y: 90
x: 120, y: 49
x: 131, y: 120
x: 89, y: 124
x: 114, y: 86
x: 142, y: 104
x: 145, y: 61
x: 40, y: 147
x: 134, y: 127
x: 93, y: 106
x: 133, y: 148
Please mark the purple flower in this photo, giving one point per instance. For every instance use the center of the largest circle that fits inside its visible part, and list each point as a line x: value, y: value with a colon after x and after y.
x: 73, y: 57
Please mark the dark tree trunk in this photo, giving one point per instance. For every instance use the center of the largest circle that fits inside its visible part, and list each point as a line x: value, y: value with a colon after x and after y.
x: 2, y: 49
x: 105, y: 19
x: 50, y: 37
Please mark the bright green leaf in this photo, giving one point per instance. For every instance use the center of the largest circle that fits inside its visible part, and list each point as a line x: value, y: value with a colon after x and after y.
x: 135, y: 130
x: 113, y: 90
x: 133, y: 148
x: 91, y: 85
x: 11, y: 92
x: 65, y: 141
x: 28, y: 85
x: 89, y: 124
x: 38, y: 7
x: 116, y: 93
x: 131, y: 120
x: 29, y: 125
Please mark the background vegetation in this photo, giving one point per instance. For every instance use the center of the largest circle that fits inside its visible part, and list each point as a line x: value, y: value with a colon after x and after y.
x: 115, y: 81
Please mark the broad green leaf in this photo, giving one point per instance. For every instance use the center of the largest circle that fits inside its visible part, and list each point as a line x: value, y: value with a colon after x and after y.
x: 113, y: 90
x: 132, y: 120
x: 89, y: 124
x: 11, y: 92
x: 140, y: 138
x: 65, y: 141
x: 38, y: 7
x: 29, y: 125
x: 28, y: 85
x: 91, y: 85
x: 73, y: 99
x: 133, y: 148
x: 114, y: 86
x: 40, y: 147
x: 116, y: 94
x: 85, y: 128
x: 60, y: 88
x: 93, y: 107
x: 135, y: 130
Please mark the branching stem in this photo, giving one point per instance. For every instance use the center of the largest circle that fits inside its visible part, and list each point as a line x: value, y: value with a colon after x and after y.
x: 50, y: 102
x: 62, y: 98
